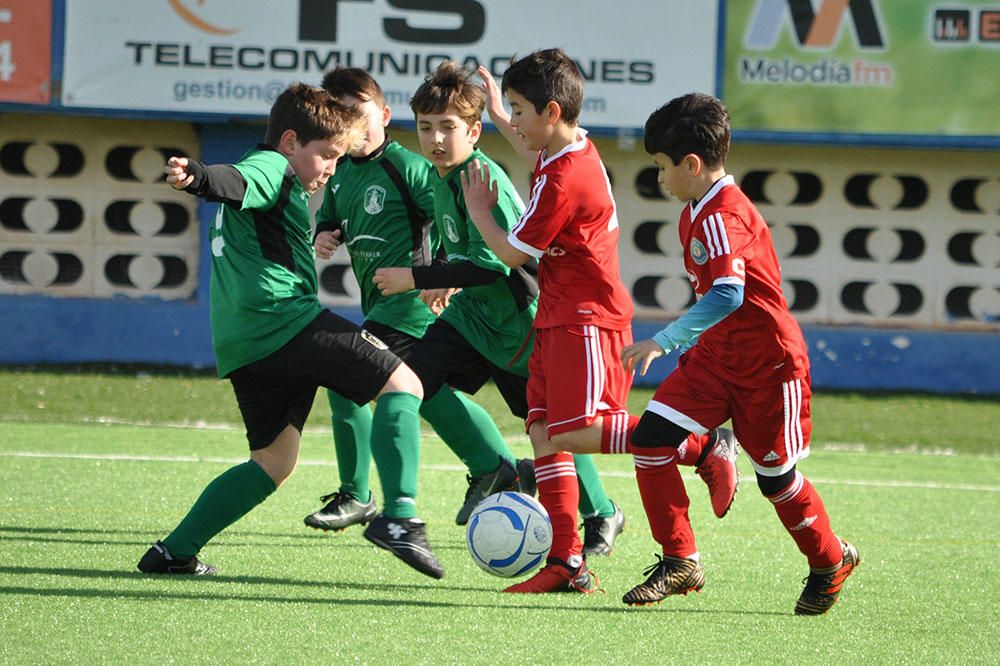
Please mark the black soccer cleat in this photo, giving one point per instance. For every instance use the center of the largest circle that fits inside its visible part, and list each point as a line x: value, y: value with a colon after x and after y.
x: 406, y: 538
x: 666, y: 577
x: 340, y: 512
x: 599, y: 533
x: 504, y: 477
x: 158, y: 560
x: 822, y: 587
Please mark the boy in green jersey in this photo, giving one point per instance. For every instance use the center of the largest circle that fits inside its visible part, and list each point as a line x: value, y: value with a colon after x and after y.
x: 276, y: 344
x: 379, y: 204
x: 485, y: 332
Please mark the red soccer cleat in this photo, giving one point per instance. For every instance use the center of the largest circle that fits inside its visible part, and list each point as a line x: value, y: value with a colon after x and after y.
x: 558, y: 576
x: 717, y: 468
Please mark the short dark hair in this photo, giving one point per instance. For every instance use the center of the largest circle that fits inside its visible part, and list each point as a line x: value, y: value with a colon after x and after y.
x: 694, y: 123
x: 313, y: 114
x: 547, y: 76
x: 450, y: 85
x: 353, y: 82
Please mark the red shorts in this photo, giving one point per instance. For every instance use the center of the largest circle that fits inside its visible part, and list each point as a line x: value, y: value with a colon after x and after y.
x: 771, y: 422
x: 576, y: 375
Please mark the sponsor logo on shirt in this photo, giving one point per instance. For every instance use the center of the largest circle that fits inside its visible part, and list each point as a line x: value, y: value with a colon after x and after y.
x: 699, y: 254
x: 555, y: 251
x: 374, y: 199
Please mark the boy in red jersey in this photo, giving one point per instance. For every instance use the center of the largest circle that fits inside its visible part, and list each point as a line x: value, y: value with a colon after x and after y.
x: 743, y: 358
x: 577, y: 389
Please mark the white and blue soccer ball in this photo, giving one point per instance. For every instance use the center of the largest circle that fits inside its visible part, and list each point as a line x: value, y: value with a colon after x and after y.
x: 509, y: 534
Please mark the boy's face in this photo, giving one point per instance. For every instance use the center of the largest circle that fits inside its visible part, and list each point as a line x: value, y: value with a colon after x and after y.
x: 533, y: 127
x: 446, y: 140
x: 313, y: 162
x: 676, y: 178
x: 377, y: 119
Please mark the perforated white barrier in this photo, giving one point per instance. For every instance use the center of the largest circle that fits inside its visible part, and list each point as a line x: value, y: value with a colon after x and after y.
x: 84, y: 210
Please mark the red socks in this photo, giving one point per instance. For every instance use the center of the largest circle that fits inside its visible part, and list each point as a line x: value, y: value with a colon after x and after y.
x: 665, y: 500
x: 559, y: 493
x: 801, y: 511
x: 616, y: 431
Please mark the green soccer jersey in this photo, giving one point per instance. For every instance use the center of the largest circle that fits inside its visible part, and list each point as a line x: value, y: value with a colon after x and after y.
x: 263, y: 286
x: 383, y: 204
x: 495, y: 318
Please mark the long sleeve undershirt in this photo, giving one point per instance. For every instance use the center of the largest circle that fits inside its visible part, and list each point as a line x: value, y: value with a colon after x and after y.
x: 455, y: 274
x: 718, y: 303
x: 219, y: 182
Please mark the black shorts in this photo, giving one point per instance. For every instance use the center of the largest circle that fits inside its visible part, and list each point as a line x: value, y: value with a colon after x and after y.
x: 278, y: 390
x: 443, y: 356
x: 399, y: 343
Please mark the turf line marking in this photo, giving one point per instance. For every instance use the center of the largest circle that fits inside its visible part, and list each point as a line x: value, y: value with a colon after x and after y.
x: 931, y: 485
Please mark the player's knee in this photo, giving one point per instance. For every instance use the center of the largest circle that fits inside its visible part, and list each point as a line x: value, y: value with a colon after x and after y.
x: 569, y: 441
x: 653, y: 431
x: 403, y: 380
x: 772, y: 485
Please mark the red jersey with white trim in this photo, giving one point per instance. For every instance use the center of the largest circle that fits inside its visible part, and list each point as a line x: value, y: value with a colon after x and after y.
x: 571, y: 226
x: 726, y: 240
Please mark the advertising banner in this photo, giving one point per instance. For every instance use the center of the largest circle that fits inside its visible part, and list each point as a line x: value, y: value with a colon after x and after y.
x: 25, y: 51
x: 864, y: 66
x: 234, y: 56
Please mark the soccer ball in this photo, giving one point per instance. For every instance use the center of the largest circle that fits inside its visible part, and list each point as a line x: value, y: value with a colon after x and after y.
x: 509, y: 534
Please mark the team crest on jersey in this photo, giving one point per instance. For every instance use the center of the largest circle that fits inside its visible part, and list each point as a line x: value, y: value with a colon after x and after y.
x: 450, y: 228
x: 373, y: 341
x: 699, y: 254
x: 374, y: 199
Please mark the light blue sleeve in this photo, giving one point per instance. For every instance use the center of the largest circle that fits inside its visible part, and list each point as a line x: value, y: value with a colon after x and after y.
x: 713, y: 307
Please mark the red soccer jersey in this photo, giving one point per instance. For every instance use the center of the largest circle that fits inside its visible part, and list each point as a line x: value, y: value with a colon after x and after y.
x: 726, y: 240
x: 571, y: 226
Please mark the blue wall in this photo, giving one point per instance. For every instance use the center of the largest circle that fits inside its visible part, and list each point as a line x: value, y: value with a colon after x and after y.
x: 38, y: 329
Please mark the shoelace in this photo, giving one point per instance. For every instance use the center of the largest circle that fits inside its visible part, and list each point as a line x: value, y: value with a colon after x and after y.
x: 819, y: 583
x: 473, y: 482
x: 660, y: 562
x: 338, y: 496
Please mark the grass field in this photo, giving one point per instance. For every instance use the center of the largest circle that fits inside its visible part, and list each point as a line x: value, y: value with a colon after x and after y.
x: 95, y: 467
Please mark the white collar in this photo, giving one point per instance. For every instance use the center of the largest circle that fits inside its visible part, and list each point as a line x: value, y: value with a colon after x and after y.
x: 712, y: 191
x: 579, y: 144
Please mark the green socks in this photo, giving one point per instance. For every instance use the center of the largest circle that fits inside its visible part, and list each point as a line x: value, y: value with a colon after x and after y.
x: 395, y: 445
x: 352, y: 433
x: 225, y: 500
x: 593, y: 500
x: 467, y: 429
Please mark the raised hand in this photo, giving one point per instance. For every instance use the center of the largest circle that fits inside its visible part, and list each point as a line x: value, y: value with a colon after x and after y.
x: 177, y: 173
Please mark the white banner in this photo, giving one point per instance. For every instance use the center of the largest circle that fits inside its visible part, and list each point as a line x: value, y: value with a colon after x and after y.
x: 234, y: 56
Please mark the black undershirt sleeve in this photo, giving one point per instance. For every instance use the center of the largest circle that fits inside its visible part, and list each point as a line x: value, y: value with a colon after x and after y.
x: 457, y: 274
x: 219, y: 182
x: 328, y: 225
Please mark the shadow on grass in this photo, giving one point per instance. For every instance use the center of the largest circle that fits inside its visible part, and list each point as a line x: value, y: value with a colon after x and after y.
x: 213, y: 587
x: 351, y: 539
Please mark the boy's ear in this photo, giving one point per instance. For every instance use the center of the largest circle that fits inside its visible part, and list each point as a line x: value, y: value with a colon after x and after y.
x: 288, y: 142
x: 475, y: 131
x: 553, y: 111
x: 693, y: 164
x: 386, y: 116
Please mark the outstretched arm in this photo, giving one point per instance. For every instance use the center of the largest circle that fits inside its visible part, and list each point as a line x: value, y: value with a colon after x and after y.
x: 720, y: 301
x: 500, y: 117
x: 222, y: 182
x: 480, y: 198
